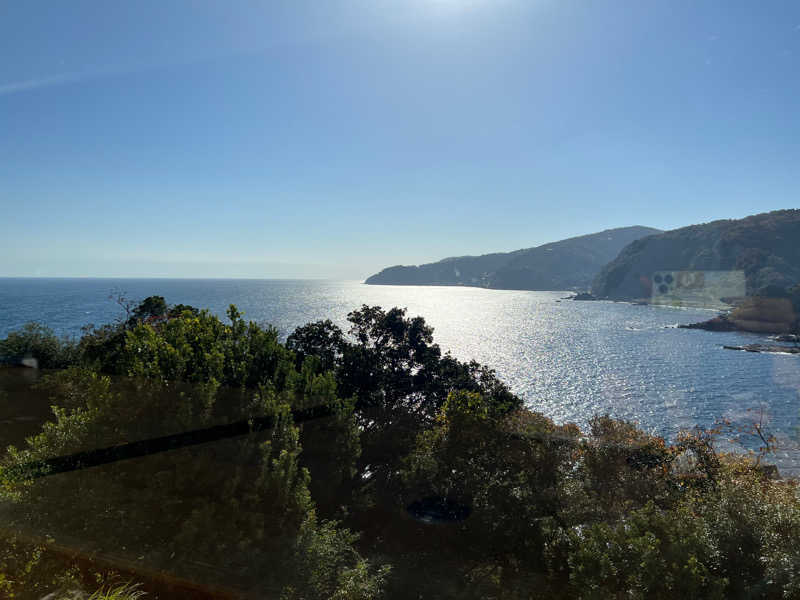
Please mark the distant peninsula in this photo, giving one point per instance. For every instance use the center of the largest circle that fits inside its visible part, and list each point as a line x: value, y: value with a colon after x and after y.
x: 569, y: 264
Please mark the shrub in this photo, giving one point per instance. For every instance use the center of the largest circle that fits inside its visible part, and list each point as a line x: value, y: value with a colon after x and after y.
x: 40, y: 342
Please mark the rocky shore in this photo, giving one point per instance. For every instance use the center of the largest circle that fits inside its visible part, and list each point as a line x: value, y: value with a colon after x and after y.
x: 788, y: 337
x: 729, y: 322
x: 766, y: 348
x: 719, y: 323
x: 581, y: 296
x: 766, y: 315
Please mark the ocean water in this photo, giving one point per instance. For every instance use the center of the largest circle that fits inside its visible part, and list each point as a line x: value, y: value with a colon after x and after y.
x: 569, y: 360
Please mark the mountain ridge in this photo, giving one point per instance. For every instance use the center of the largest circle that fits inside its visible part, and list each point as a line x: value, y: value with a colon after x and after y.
x: 571, y: 263
x: 764, y: 246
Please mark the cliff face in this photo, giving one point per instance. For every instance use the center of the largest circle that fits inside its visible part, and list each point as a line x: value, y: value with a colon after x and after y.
x: 766, y: 247
x: 563, y: 265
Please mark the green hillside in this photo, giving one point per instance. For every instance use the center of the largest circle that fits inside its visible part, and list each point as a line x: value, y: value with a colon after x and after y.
x: 765, y: 246
x: 562, y: 265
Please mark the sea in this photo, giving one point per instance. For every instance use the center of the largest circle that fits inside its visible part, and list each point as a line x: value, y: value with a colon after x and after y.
x: 569, y: 360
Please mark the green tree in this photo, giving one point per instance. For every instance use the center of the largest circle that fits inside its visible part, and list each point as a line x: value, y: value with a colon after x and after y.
x: 242, y: 504
x: 540, y: 508
x: 652, y: 554
x: 321, y: 339
x: 38, y: 341
x: 152, y: 306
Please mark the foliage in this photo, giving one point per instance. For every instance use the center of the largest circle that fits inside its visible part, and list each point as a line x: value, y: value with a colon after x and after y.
x: 321, y: 339
x: 651, y: 554
x: 101, y: 347
x: 152, y: 306
x: 323, y: 555
x: 252, y: 492
x: 203, y: 348
x: 178, y: 310
x: 38, y: 341
x: 120, y: 591
x: 31, y: 569
x: 609, y: 512
x: 738, y: 540
x: 615, y: 513
x: 26, y: 569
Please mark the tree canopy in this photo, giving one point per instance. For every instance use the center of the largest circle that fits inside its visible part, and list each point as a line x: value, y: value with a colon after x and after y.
x: 423, y: 473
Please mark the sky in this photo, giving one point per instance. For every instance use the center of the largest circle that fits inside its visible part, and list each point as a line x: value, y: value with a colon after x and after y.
x: 331, y: 139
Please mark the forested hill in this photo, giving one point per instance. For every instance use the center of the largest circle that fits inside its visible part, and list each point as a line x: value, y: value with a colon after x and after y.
x: 562, y: 265
x: 765, y: 246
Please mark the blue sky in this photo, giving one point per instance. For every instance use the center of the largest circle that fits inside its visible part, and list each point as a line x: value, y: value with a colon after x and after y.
x: 331, y: 139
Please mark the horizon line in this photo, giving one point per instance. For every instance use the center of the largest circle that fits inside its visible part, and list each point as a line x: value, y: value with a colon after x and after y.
x: 177, y: 277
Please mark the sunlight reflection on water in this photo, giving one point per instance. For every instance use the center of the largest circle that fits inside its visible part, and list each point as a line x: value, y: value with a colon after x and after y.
x: 570, y: 360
